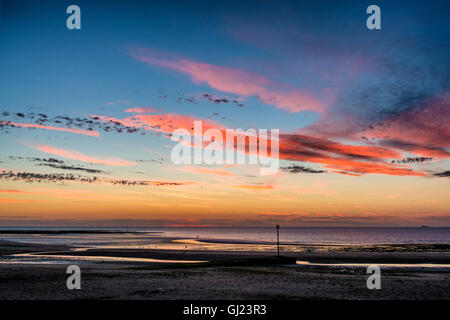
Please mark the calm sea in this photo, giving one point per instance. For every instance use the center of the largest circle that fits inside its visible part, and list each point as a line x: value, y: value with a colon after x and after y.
x: 257, y: 234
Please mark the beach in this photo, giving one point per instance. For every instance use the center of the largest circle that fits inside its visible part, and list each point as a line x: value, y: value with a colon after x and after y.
x: 199, y: 269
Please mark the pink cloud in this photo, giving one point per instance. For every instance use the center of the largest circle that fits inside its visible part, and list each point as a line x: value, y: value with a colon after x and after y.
x: 32, y: 125
x: 235, y: 81
x: 424, y: 131
x: 82, y: 157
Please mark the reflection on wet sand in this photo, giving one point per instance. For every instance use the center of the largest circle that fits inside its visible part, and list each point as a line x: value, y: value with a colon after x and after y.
x: 48, y: 257
x: 192, y: 244
x: 388, y: 265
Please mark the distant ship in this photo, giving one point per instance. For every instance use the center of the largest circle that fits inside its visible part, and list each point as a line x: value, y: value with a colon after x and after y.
x: 425, y: 227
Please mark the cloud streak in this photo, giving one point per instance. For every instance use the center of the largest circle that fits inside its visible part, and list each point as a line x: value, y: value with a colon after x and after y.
x: 59, y: 177
x: 70, y: 168
x: 38, y: 126
x: 75, y: 155
x: 444, y: 174
x: 252, y: 187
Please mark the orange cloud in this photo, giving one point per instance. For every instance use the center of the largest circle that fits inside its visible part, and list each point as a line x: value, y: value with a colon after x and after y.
x: 12, y: 191
x: 234, y: 81
x: 82, y: 157
x: 340, y: 158
x: 276, y: 213
x: 31, y: 125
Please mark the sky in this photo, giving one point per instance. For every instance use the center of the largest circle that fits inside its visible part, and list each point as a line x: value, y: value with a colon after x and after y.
x: 86, y: 116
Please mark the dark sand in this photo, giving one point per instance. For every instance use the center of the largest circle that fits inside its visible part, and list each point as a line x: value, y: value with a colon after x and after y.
x: 130, y: 280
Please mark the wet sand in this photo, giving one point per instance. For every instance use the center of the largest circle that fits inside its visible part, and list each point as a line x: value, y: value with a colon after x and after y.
x: 11, y: 247
x: 133, y: 280
x: 331, y: 255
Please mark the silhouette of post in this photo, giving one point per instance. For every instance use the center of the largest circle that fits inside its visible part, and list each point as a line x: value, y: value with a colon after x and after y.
x: 278, y: 240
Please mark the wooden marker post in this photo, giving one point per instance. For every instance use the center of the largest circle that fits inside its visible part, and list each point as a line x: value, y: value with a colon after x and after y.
x: 278, y: 240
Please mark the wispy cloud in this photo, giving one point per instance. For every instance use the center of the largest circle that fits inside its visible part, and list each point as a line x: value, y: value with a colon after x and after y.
x: 142, y: 110
x: 84, y: 158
